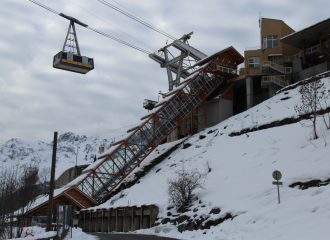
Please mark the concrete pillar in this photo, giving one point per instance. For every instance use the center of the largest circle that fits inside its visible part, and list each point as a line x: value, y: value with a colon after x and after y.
x: 174, y: 135
x: 84, y: 228
x: 141, y: 217
x: 273, y: 88
x: 124, y: 220
x: 304, y: 51
x: 90, y: 221
x: 249, y: 92
x: 116, y: 226
x: 109, y: 219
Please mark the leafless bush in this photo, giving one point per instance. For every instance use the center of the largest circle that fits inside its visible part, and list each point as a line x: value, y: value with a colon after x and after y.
x: 17, y: 191
x: 44, y: 176
x: 311, y: 96
x: 181, y: 189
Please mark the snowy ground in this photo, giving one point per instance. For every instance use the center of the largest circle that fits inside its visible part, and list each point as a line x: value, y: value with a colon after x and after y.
x: 39, y: 233
x: 35, y: 232
x: 240, y: 180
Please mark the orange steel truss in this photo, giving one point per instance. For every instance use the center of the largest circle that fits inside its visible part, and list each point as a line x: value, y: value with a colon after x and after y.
x: 102, y: 177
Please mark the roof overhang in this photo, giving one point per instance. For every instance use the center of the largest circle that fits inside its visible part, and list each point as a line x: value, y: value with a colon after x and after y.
x: 229, y: 50
x: 310, y: 34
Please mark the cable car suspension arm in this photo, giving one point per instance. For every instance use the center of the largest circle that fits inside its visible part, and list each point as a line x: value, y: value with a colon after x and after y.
x: 74, y: 20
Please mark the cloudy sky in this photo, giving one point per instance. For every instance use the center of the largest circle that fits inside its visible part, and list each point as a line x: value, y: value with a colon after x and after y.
x: 36, y: 99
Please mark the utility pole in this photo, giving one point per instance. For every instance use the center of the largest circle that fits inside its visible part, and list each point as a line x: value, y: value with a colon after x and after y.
x: 77, y: 156
x: 51, y: 190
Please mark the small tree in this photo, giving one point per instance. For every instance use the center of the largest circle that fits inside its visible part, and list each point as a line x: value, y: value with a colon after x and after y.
x: 311, y: 96
x: 44, y: 176
x: 17, y: 191
x: 181, y: 189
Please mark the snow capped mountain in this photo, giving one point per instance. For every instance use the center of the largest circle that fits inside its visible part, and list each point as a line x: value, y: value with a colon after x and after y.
x: 18, y: 152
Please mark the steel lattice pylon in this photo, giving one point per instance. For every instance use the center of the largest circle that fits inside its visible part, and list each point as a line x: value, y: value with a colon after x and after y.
x: 102, y: 177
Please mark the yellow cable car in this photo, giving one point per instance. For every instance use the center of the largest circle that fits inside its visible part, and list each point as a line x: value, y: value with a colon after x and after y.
x: 71, y: 59
x: 73, y: 62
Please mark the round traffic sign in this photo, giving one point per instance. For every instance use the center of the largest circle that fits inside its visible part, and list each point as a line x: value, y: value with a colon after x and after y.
x: 277, y: 175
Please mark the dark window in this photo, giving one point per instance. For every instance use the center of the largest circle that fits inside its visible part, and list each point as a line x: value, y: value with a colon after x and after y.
x: 64, y: 55
x: 57, y: 57
x: 270, y: 42
x: 254, y: 62
x: 77, y: 58
x: 90, y: 61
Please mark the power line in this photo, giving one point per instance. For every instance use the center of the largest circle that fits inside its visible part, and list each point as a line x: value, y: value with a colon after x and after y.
x: 111, y: 25
x: 97, y: 31
x: 137, y: 19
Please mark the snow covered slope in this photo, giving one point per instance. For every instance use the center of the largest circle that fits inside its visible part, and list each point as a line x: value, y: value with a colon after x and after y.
x: 240, y: 180
x: 18, y: 152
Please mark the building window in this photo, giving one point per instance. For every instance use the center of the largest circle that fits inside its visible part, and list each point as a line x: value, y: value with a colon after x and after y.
x: 254, y: 62
x: 270, y: 42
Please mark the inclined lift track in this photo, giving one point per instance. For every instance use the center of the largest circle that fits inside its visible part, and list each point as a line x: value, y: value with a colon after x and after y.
x: 103, y: 176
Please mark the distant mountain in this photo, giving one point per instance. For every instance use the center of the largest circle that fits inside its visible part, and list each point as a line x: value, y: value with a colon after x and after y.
x: 18, y: 152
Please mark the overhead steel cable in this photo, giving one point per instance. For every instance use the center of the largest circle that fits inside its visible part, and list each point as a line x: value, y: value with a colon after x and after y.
x: 137, y: 19
x: 118, y: 40
x: 41, y: 5
x: 95, y: 30
x: 112, y: 25
x: 132, y: 12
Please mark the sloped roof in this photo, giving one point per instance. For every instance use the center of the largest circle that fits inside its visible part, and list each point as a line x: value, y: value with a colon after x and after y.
x: 231, y: 50
x: 310, y: 34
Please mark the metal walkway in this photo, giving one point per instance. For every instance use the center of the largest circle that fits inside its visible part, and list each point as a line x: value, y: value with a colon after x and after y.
x: 103, y: 176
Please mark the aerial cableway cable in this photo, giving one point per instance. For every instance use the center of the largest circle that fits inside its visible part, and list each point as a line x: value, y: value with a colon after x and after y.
x: 136, y: 19
x: 118, y: 40
x: 43, y: 6
x: 95, y: 30
x: 112, y: 25
x: 132, y: 12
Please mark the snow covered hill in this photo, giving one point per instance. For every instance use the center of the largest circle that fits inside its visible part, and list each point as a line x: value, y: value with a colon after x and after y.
x: 18, y: 152
x: 238, y: 184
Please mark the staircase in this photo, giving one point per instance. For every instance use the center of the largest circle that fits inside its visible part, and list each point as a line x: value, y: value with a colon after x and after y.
x: 266, y: 65
x: 280, y: 80
x: 103, y: 176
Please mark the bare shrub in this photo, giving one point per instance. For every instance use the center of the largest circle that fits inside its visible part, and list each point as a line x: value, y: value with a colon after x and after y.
x: 44, y: 176
x: 18, y: 189
x: 181, y: 189
x: 311, y: 96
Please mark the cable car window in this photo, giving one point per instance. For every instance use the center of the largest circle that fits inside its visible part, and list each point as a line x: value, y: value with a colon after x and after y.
x: 57, y: 57
x: 90, y: 61
x: 70, y: 56
x: 77, y: 58
x: 64, y: 55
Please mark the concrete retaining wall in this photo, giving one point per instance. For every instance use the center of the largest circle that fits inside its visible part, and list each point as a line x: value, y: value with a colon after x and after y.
x: 69, y: 175
x: 121, y: 219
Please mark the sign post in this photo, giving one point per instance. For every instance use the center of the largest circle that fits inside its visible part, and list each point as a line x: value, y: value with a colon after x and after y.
x: 277, y: 175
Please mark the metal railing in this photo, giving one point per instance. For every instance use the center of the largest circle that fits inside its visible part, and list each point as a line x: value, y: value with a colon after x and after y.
x: 276, y: 67
x: 252, y: 48
x: 227, y: 69
x: 102, y: 177
x: 280, y: 80
x: 311, y: 50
